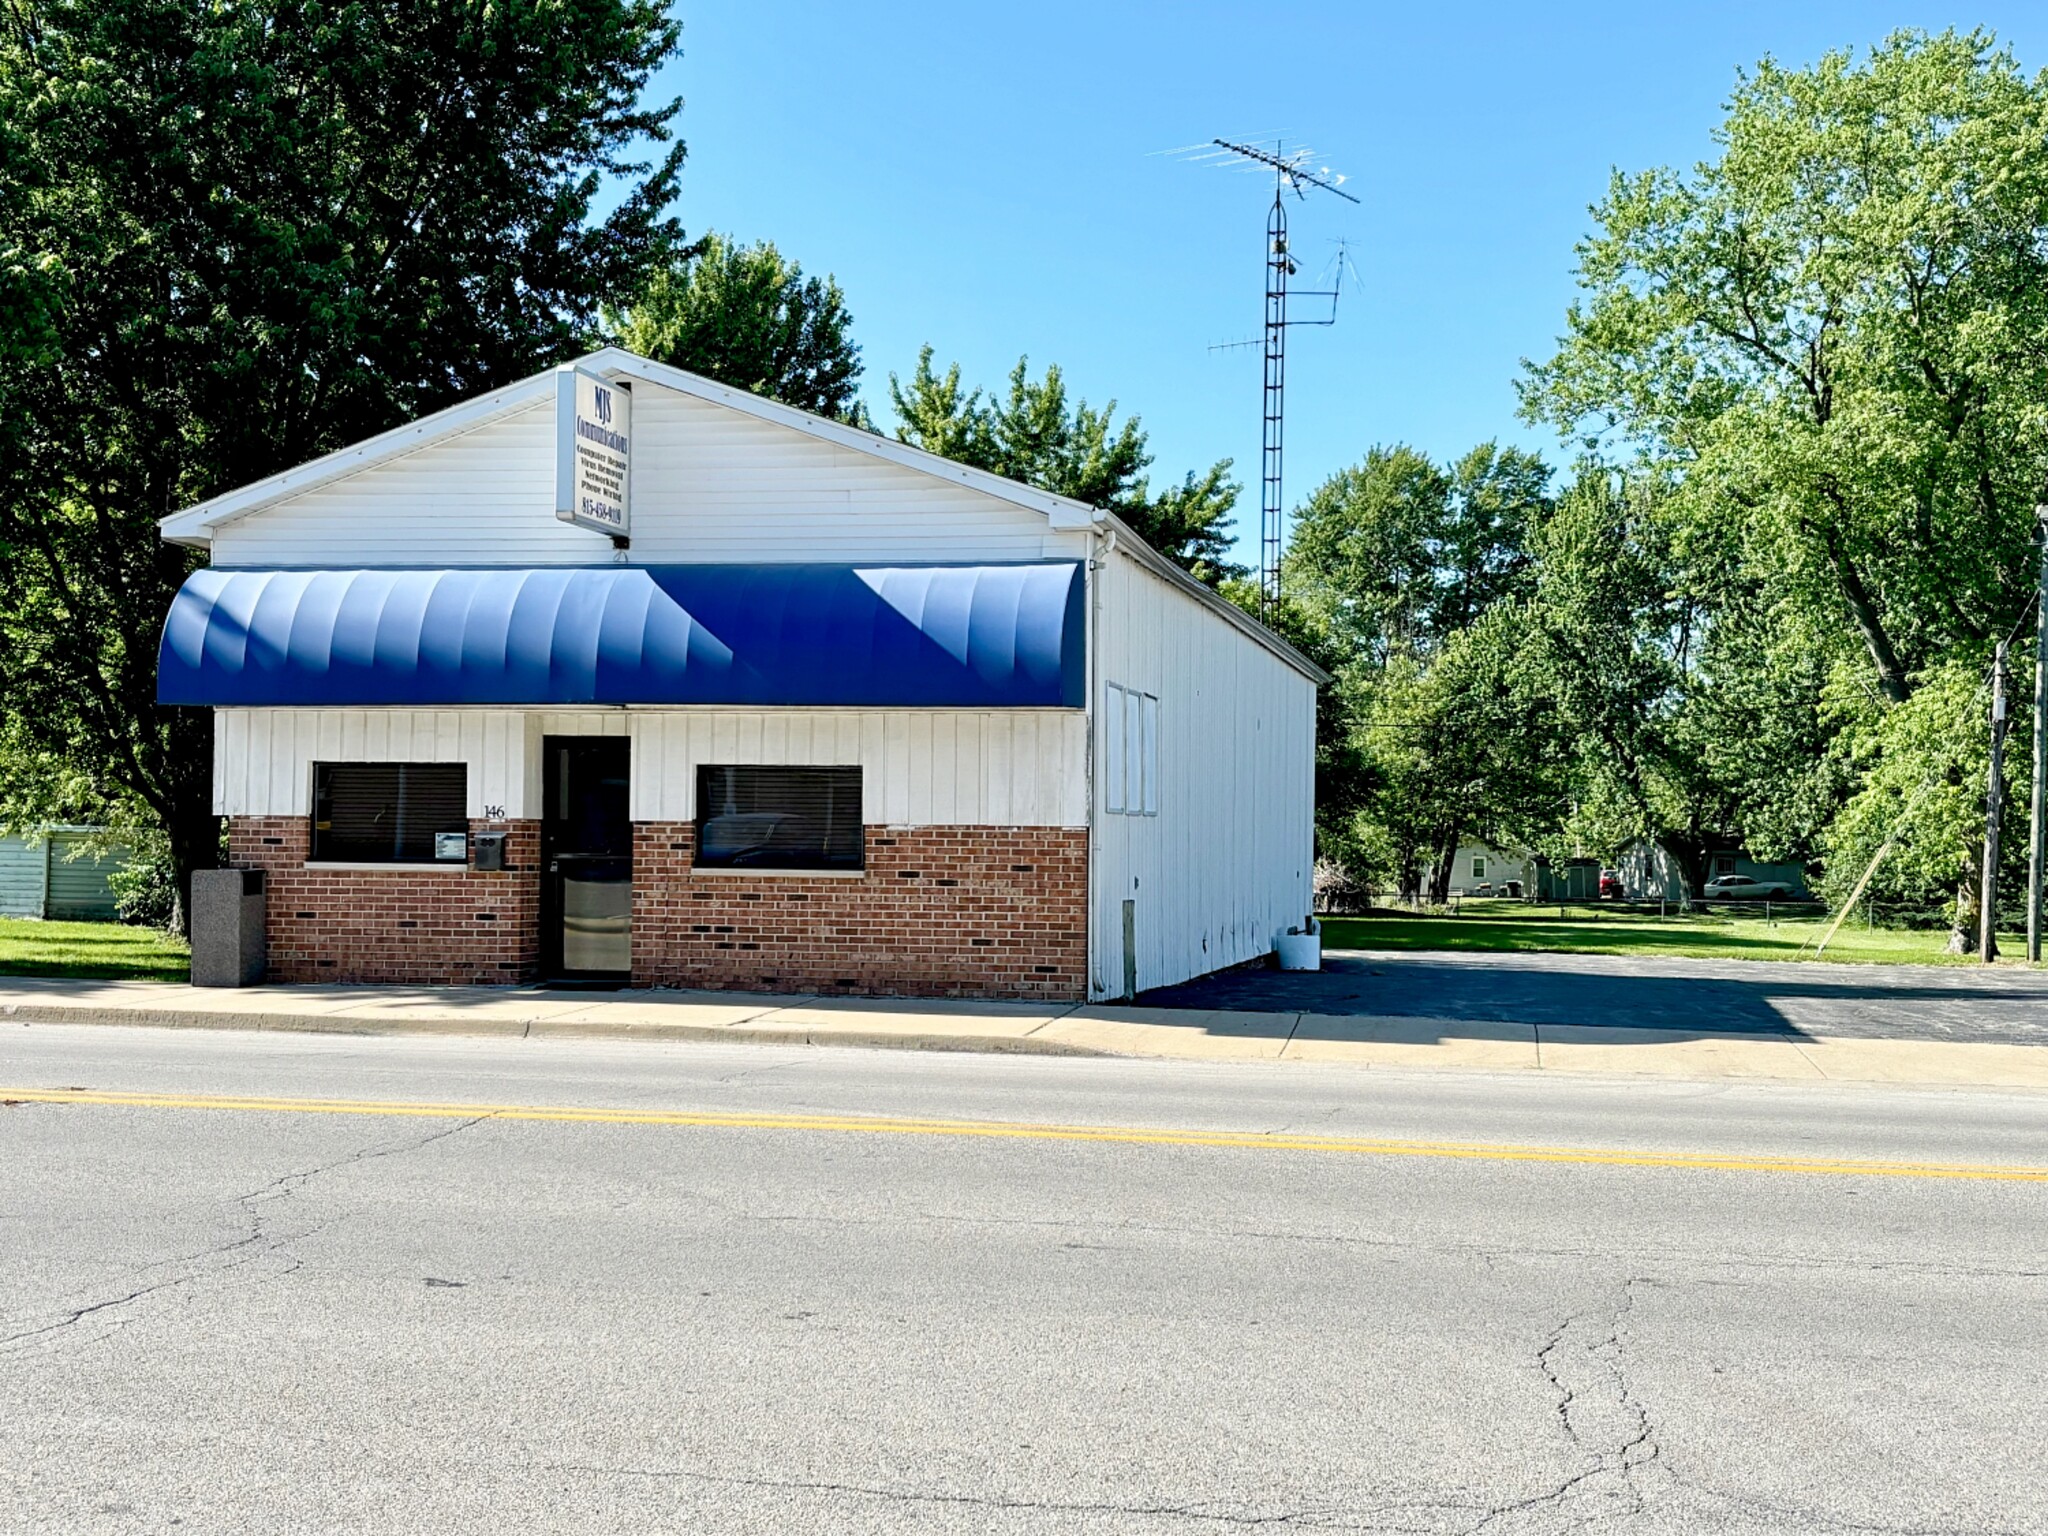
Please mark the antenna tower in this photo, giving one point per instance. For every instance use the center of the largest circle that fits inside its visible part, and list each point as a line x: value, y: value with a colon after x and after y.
x: 1291, y: 173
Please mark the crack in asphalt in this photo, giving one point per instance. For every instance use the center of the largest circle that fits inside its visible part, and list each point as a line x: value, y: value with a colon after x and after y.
x: 255, y: 1244
x: 1615, y: 1460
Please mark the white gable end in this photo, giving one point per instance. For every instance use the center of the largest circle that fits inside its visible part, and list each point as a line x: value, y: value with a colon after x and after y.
x: 710, y: 483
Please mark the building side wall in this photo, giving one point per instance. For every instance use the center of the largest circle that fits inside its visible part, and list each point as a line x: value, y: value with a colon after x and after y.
x: 709, y: 484
x: 1228, y: 862
x: 940, y: 911
x: 407, y: 923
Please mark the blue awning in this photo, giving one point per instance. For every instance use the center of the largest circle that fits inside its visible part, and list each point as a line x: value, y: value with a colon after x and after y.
x: 1003, y: 636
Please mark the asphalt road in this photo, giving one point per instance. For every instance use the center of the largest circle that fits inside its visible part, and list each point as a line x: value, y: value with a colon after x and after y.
x: 718, y: 1304
x: 1695, y: 997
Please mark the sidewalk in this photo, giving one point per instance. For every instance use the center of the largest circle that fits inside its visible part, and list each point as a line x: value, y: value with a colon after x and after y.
x: 1053, y: 1029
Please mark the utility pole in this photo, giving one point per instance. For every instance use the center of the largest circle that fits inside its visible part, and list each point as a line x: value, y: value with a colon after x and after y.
x: 1994, y: 808
x: 2037, y: 827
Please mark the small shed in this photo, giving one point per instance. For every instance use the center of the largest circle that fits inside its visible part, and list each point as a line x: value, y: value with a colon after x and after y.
x: 49, y: 874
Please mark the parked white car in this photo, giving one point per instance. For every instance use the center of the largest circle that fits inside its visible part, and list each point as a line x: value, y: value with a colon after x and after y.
x: 1742, y: 888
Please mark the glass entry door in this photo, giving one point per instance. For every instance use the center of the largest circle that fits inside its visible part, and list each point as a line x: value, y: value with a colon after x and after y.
x: 586, y: 845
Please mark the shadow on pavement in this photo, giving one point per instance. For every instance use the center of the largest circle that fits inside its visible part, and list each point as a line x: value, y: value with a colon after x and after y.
x: 1663, y: 998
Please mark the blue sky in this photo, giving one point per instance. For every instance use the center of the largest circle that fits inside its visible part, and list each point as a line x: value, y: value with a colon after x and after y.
x: 986, y: 178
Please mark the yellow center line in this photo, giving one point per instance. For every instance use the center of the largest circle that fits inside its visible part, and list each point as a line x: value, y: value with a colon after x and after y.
x: 1025, y: 1131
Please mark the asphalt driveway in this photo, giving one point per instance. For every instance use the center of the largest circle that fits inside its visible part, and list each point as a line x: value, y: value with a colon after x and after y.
x: 1696, y: 997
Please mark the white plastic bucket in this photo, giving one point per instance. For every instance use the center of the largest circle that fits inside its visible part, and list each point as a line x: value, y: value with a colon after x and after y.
x: 1301, y: 951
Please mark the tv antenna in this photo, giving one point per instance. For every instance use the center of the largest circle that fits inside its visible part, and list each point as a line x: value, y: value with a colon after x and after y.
x: 1292, y: 172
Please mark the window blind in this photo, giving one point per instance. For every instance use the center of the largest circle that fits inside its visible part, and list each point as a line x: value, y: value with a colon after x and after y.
x: 779, y: 817
x: 390, y: 813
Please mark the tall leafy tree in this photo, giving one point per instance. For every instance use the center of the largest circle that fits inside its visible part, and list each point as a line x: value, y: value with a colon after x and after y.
x: 1397, y: 553
x: 1833, y: 337
x: 1032, y: 433
x: 1838, y: 330
x: 235, y: 234
x: 747, y: 316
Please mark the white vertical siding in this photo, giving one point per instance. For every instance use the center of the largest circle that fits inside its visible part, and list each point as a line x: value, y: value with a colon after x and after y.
x: 709, y: 484
x: 1228, y: 860
x: 1009, y: 768
x: 1014, y: 768
x: 263, y: 758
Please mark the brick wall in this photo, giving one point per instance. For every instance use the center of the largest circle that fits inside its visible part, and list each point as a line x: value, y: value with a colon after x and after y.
x: 406, y: 924
x: 961, y: 911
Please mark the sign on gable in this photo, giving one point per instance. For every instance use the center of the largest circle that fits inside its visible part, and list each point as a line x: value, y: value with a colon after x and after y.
x: 594, y: 451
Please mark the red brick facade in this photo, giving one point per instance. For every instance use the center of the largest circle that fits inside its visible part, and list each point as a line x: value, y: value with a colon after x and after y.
x: 958, y: 911
x: 961, y: 911
x: 427, y: 927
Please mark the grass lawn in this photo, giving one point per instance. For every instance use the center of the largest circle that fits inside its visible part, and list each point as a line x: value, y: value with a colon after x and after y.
x: 101, y: 951
x: 1509, y: 925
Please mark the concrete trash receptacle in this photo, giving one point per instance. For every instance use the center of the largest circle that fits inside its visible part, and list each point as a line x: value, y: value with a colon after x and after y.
x: 227, y: 927
x: 1301, y: 951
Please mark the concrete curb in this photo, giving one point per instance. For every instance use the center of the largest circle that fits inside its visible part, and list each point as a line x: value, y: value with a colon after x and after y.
x: 534, y: 1029
x: 1110, y: 1031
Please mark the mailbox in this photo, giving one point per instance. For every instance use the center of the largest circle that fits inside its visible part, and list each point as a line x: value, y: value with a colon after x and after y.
x: 487, y: 852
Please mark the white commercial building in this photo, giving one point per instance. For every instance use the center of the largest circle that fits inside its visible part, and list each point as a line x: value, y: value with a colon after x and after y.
x: 618, y: 672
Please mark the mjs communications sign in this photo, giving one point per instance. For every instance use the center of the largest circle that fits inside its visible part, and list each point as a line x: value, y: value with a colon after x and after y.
x: 593, y: 451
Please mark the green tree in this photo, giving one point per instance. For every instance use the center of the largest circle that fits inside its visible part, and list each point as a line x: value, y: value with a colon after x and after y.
x: 1407, y: 579
x: 235, y: 234
x: 747, y: 316
x: 1396, y: 553
x: 1921, y: 769
x: 1460, y: 745
x: 1032, y: 434
x: 1612, y: 637
x: 1837, y: 330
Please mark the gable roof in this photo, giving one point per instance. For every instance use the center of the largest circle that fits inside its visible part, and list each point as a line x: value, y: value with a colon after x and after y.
x: 194, y: 525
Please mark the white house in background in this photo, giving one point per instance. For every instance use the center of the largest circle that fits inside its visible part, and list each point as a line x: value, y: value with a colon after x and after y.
x: 1481, y: 869
x: 763, y: 702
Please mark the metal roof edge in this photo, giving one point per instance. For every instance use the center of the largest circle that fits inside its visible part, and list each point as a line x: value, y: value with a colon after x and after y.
x: 1131, y: 544
x: 192, y: 524
x: 1064, y: 512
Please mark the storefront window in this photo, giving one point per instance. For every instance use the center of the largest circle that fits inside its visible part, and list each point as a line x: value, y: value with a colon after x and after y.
x: 391, y: 813
x: 779, y: 818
